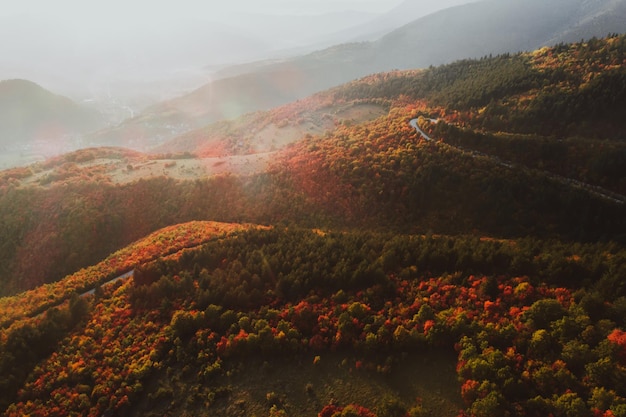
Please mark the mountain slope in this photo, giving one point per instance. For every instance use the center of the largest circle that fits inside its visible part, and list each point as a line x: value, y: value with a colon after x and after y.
x: 231, y: 97
x: 593, y: 17
x: 370, y: 171
x: 28, y: 112
x: 496, y: 27
x: 457, y: 255
x: 402, y: 14
x: 289, y: 322
x: 471, y: 30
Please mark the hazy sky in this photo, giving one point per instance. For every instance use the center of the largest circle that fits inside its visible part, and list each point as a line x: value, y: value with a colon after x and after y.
x: 68, y: 44
x: 187, y: 8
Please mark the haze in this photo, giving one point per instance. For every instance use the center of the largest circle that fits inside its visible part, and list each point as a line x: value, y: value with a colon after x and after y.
x: 129, y: 49
x: 143, y: 9
x: 119, y: 58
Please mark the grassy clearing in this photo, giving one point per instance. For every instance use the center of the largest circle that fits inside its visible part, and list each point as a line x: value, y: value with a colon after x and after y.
x: 302, y: 386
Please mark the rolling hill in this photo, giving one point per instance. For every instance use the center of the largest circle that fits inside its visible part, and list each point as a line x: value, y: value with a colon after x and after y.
x: 455, y: 249
x: 30, y: 113
x: 286, y: 322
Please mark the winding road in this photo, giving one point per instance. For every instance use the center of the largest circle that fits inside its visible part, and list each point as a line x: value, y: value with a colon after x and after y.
x: 46, y: 308
x: 111, y: 281
x: 416, y: 126
x: 571, y: 182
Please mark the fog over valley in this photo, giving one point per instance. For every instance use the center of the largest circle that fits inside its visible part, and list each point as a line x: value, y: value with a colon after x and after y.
x: 127, y: 48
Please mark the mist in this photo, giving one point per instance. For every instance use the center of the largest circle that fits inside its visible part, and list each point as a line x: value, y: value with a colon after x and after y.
x: 143, y: 52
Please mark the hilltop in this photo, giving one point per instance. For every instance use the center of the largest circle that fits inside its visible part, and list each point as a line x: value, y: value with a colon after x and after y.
x: 299, y: 322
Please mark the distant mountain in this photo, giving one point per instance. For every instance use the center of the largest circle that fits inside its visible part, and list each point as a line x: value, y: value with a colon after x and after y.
x: 495, y: 27
x: 28, y: 112
x: 289, y: 32
x: 427, y: 35
x: 85, y: 59
x: 402, y: 14
x: 595, y: 17
x: 466, y: 31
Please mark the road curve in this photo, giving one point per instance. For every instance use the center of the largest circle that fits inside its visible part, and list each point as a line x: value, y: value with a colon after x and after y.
x: 111, y: 281
x: 415, y: 126
x: 571, y: 182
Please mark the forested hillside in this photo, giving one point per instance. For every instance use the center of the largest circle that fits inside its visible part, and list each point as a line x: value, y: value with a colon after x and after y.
x: 447, y: 241
x: 556, y: 109
x: 376, y: 175
x: 535, y: 327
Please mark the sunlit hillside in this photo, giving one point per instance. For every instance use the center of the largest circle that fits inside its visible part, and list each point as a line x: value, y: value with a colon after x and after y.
x: 354, y: 162
x: 446, y: 241
x: 300, y: 322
